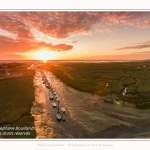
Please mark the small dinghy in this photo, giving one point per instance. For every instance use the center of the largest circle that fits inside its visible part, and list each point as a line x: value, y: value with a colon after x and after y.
x: 63, y: 109
x: 58, y: 116
x: 53, y: 90
x: 57, y: 99
x: 54, y: 105
x: 56, y: 96
x: 51, y: 97
x: 54, y: 93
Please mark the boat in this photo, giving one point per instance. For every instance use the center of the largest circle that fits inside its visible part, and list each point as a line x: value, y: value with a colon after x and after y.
x: 63, y: 117
x: 53, y: 90
x: 47, y: 86
x: 54, y: 93
x: 57, y: 99
x: 51, y: 97
x: 54, y: 105
x: 58, y: 116
x: 56, y: 96
x: 63, y: 109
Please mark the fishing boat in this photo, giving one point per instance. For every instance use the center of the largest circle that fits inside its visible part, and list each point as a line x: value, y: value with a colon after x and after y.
x: 51, y: 97
x: 54, y: 93
x: 56, y: 96
x: 58, y: 116
x: 63, y: 109
x: 57, y: 99
x: 54, y: 105
x: 53, y: 90
x: 47, y: 86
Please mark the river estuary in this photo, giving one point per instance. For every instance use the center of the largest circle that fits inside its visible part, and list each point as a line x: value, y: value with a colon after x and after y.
x: 87, y: 115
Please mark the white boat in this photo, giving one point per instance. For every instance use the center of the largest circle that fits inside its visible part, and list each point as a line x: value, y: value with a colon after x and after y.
x: 51, y: 96
x: 63, y: 109
x: 53, y: 90
x: 54, y: 93
x: 58, y: 116
x: 56, y: 96
x: 54, y: 105
x: 57, y: 99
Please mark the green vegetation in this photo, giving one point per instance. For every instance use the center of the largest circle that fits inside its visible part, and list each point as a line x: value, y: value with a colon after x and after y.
x: 108, y: 79
x: 16, y: 96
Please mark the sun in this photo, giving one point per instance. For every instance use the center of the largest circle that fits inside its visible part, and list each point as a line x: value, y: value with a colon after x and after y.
x: 44, y: 55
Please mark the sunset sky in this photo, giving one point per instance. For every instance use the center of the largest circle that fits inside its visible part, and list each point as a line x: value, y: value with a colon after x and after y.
x: 74, y: 35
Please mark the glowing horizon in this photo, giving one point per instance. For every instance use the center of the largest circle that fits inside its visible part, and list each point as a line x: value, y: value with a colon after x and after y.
x: 74, y: 35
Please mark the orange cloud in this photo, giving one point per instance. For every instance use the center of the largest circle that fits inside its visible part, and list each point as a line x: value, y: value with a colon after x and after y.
x: 131, y: 56
x: 136, y: 46
x: 10, y: 45
x: 63, y: 25
x: 146, y: 24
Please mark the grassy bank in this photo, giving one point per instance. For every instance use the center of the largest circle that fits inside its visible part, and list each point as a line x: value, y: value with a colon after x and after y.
x: 16, y: 96
x: 108, y: 79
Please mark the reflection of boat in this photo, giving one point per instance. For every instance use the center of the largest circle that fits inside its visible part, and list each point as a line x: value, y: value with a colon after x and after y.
x: 54, y: 105
x: 63, y: 109
x: 58, y: 116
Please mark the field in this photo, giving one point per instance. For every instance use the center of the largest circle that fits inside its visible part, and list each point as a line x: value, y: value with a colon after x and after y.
x: 16, y: 97
x: 121, y: 81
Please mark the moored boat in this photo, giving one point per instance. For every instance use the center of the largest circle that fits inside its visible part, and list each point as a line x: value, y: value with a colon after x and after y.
x: 63, y: 109
x: 57, y: 99
x: 54, y: 93
x: 54, y: 105
x: 58, y: 116
x: 51, y: 97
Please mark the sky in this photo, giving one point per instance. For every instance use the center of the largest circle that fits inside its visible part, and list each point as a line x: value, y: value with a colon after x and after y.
x: 74, y: 35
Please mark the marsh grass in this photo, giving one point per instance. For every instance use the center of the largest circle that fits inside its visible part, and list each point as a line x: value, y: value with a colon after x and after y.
x: 107, y: 79
x: 16, y: 97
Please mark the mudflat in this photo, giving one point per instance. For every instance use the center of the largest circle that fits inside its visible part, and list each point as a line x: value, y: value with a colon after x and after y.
x: 88, y: 115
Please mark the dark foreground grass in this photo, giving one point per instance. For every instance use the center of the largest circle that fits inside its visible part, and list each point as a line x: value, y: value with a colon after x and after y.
x: 108, y: 79
x: 16, y: 96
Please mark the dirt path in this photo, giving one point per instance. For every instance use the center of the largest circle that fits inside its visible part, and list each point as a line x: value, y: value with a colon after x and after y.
x: 87, y: 116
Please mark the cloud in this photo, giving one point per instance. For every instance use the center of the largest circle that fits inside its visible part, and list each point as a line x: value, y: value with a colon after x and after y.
x: 65, y: 24
x: 131, y: 56
x: 61, y: 25
x: 74, y: 41
x: 145, y: 52
x: 136, y: 46
x: 147, y: 42
x: 8, y: 44
x: 146, y: 24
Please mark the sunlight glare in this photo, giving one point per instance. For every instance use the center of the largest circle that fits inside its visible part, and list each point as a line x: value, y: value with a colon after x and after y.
x: 44, y: 55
